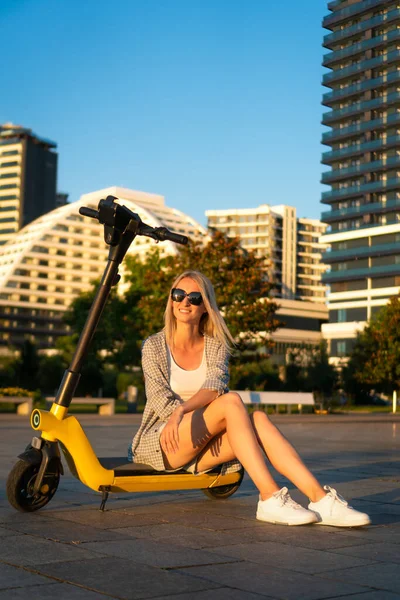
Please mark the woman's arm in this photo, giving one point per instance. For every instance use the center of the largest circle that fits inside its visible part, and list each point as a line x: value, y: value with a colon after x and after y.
x: 217, y: 377
x: 159, y: 395
x: 215, y: 384
x: 170, y: 435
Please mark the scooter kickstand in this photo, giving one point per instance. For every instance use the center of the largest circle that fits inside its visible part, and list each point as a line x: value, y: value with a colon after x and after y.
x: 105, y: 490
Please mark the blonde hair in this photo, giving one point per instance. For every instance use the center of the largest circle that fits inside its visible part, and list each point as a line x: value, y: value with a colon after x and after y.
x: 212, y: 323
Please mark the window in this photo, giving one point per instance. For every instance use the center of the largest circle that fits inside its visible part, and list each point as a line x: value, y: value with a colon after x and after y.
x: 341, y: 315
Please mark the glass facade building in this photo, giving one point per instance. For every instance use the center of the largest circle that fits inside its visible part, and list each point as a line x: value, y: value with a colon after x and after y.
x: 363, y: 136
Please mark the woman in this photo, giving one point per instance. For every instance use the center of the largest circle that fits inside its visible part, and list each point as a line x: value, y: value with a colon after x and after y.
x: 192, y: 421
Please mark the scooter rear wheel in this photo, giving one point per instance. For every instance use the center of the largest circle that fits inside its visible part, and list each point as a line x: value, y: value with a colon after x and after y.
x: 223, y: 491
x: 21, y: 481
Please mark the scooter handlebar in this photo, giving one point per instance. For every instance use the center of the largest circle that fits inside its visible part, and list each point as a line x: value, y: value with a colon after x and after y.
x: 89, y: 212
x: 107, y: 217
x: 163, y: 234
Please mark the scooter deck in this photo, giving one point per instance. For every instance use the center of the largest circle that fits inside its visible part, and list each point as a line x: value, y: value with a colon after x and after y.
x: 124, y: 468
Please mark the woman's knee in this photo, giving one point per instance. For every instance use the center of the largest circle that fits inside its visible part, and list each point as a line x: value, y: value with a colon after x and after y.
x: 259, y: 417
x: 230, y: 399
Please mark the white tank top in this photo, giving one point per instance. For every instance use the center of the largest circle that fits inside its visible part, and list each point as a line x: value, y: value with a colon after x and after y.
x: 186, y: 383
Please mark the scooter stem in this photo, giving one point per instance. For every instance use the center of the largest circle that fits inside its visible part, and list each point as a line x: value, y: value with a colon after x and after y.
x: 72, y: 375
x: 120, y: 229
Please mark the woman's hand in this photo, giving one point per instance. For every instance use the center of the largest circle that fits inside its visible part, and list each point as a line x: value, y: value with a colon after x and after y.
x: 169, y: 438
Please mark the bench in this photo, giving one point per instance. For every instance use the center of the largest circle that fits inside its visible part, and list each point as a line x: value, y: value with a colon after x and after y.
x: 24, y: 403
x: 288, y: 399
x: 106, y: 406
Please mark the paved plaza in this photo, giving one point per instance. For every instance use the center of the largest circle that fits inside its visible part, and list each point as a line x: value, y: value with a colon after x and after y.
x: 184, y: 546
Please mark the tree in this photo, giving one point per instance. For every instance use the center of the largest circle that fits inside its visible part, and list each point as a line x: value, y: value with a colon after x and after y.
x: 110, y: 334
x: 375, y: 359
x: 28, y: 366
x: 259, y: 375
x: 239, y: 278
x: 308, y: 370
x: 8, y: 370
x: 242, y: 291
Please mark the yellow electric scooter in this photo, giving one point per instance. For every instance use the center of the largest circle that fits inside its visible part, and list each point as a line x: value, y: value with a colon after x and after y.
x: 34, y: 479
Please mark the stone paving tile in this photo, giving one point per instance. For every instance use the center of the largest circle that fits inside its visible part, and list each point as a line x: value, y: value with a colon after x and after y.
x: 306, y: 537
x: 11, y: 577
x: 272, y: 581
x: 194, y: 506
x: 381, y: 576
x: 126, y: 579
x: 192, y: 516
x: 224, y: 593
x: 281, y: 555
x: 158, y: 554
x: 61, y: 591
x: 375, y: 595
x: 29, y: 550
x: 62, y: 531
x: 105, y: 520
x: 6, y: 532
x: 374, y: 534
x: 209, y: 521
x: 379, y: 552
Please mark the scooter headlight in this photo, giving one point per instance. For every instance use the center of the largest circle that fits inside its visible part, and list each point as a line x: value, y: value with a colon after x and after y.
x: 35, y: 419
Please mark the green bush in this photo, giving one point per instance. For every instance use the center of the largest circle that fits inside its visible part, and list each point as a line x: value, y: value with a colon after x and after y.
x: 16, y: 391
x: 257, y: 376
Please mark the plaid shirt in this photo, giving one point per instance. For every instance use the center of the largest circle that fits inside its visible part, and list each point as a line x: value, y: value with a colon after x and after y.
x: 161, y: 400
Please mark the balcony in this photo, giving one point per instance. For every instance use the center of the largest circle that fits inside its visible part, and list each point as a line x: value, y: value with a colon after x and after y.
x: 337, y: 134
x: 349, y: 274
x: 392, y: 140
x: 367, y: 167
x: 336, y: 55
x: 362, y: 66
x: 365, y: 251
x: 359, y: 190
x: 331, y: 5
x: 356, y: 9
x: 358, y: 88
x: 353, y: 211
x: 342, y: 34
x: 360, y: 107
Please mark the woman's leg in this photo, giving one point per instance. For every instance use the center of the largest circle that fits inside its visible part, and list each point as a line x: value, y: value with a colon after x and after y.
x: 284, y: 457
x: 280, y: 452
x: 226, y: 413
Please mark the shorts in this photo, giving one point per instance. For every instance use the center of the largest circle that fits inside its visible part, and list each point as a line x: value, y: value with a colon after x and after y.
x: 190, y: 467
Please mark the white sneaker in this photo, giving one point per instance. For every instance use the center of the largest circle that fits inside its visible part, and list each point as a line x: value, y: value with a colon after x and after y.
x: 281, y: 509
x: 334, y: 510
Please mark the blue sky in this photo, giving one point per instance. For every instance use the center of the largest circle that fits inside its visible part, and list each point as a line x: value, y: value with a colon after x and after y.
x: 212, y: 103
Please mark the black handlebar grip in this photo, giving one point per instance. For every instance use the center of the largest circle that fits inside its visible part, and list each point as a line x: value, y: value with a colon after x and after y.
x: 89, y: 212
x: 164, y: 234
x: 178, y: 239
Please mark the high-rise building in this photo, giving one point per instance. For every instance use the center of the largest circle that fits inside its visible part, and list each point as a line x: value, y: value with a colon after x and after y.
x: 292, y: 245
x: 56, y: 257
x: 293, y: 250
x: 364, y: 160
x: 28, y: 178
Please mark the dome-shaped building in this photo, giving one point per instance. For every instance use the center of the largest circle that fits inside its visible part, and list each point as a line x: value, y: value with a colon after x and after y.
x: 57, y: 256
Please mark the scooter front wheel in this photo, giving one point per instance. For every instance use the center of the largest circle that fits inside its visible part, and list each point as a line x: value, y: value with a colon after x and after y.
x: 20, y: 484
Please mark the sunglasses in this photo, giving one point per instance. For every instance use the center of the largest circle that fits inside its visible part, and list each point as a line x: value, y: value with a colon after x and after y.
x: 179, y: 295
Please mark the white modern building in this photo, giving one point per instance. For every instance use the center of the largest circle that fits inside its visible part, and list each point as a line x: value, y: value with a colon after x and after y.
x: 49, y: 262
x: 292, y: 246
x: 294, y: 250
